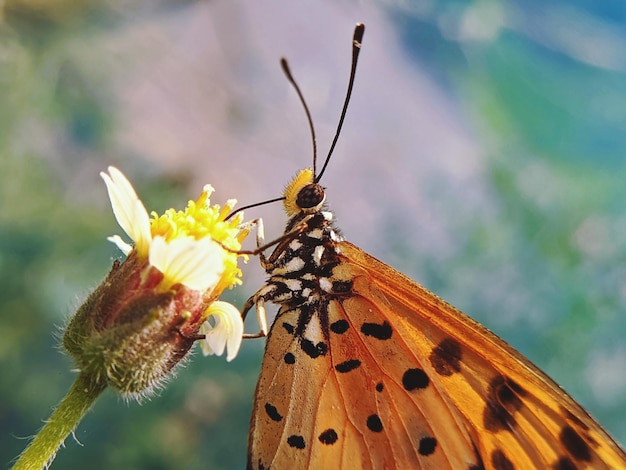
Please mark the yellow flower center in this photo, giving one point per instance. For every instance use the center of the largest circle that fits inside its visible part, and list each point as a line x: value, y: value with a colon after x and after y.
x: 200, y: 220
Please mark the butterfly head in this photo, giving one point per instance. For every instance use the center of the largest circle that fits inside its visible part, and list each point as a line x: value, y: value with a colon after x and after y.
x: 303, y: 194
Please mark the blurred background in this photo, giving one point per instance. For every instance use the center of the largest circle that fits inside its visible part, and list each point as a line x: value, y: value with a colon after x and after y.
x: 484, y: 155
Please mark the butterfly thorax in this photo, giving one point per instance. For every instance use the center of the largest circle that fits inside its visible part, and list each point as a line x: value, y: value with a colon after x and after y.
x: 303, y: 268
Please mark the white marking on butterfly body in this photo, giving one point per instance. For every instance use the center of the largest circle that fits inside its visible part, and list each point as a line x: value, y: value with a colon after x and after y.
x: 316, y: 233
x: 317, y: 254
x: 334, y: 237
x: 293, y: 265
x: 295, y: 245
x: 325, y: 284
x: 294, y: 285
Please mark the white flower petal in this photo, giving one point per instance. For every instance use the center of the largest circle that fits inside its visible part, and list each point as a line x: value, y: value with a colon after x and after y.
x: 129, y: 211
x: 198, y: 264
x: 121, y: 244
x: 227, y: 332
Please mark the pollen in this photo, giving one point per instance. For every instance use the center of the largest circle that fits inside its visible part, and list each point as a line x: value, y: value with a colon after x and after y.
x: 200, y: 220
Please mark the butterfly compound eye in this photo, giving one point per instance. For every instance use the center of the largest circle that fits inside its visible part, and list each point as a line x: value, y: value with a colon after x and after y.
x: 310, y: 196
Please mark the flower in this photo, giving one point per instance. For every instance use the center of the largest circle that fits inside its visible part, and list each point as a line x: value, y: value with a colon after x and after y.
x: 179, y: 243
x: 143, y: 319
x: 227, y: 332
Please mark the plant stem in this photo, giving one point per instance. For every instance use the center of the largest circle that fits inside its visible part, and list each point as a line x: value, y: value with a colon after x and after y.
x: 43, y: 448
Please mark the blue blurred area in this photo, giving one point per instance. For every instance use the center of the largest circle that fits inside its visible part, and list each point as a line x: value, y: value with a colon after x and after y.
x: 483, y: 155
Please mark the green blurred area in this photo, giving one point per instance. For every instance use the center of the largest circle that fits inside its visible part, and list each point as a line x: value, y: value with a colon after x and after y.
x: 54, y: 117
x: 554, y: 132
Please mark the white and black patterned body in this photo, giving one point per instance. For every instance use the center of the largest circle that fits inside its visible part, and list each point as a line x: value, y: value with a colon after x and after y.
x: 301, y: 270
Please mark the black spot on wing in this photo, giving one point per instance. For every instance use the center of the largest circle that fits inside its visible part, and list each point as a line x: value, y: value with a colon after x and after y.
x: 348, y: 365
x: 342, y: 287
x: 575, y: 444
x: 289, y: 328
x: 339, y: 327
x: 296, y: 441
x: 414, y: 379
x: 446, y: 357
x: 508, y: 392
x: 502, y: 403
x: 273, y: 413
x: 374, y: 423
x: 313, y: 350
x: 380, y: 387
x: 427, y: 445
x: 289, y: 358
x: 328, y: 437
x: 501, y: 461
x: 379, y: 331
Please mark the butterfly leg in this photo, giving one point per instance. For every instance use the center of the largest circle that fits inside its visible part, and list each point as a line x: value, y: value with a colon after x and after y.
x: 267, y: 293
x: 260, y: 242
x: 260, y: 237
x: 258, y: 302
x: 261, y: 246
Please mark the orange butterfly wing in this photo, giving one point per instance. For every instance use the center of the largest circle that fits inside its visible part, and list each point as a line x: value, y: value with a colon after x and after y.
x: 515, y: 411
x: 401, y: 379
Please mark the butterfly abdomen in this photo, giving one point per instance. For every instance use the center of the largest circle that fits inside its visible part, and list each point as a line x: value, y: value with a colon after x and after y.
x: 301, y: 268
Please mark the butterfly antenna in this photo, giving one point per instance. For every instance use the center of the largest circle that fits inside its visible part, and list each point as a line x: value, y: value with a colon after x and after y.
x: 285, y: 66
x: 357, y: 39
x: 269, y: 201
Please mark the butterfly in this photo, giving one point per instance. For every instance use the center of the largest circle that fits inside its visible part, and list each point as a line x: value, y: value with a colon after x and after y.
x: 365, y: 368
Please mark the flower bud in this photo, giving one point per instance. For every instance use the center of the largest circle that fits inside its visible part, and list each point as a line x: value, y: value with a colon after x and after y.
x: 145, y: 316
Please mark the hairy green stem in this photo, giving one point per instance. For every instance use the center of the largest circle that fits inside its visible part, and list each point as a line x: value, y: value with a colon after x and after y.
x: 43, y: 448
